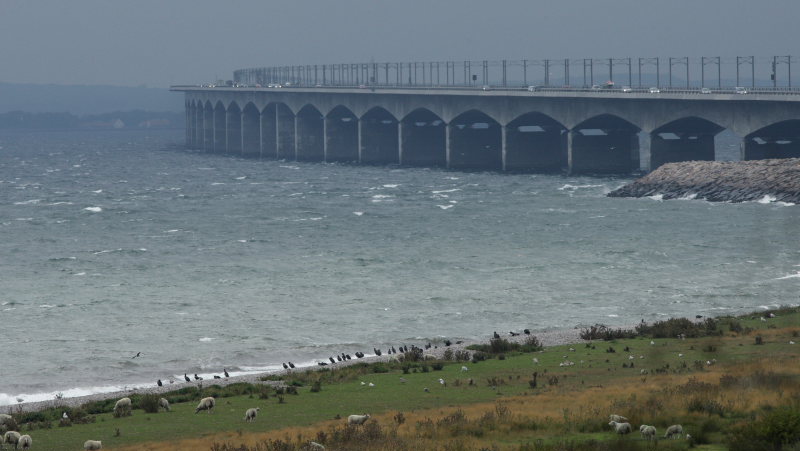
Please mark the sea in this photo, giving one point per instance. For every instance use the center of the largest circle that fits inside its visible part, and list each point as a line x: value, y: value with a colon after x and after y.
x: 118, y: 243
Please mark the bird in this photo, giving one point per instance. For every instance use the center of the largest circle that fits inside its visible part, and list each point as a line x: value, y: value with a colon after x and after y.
x: 441, y: 381
x: 371, y: 384
x: 535, y: 360
x: 332, y: 361
x: 186, y: 377
x: 363, y: 383
x: 197, y: 378
x: 496, y: 335
x: 402, y: 380
x: 285, y: 366
x: 652, y: 342
x: 513, y: 334
x: 65, y: 416
x: 217, y: 377
x: 138, y: 354
x: 226, y: 372
x: 791, y: 342
x: 159, y: 383
x: 527, y: 331
x: 463, y: 368
x: 291, y: 365
x: 338, y: 358
x: 680, y: 355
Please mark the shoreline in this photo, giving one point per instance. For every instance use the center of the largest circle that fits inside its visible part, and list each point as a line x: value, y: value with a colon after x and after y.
x: 547, y: 338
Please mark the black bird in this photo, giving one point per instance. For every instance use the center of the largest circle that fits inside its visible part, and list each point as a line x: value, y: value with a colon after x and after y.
x: 332, y: 361
x: 405, y: 348
x: 448, y: 342
x: 226, y: 372
x: 394, y: 350
x: 338, y: 358
x: 359, y: 354
x: 186, y: 377
x: 378, y: 352
x: 348, y: 356
x: 159, y: 383
x: 513, y: 334
x: 291, y: 365
x: 197, y: 378
x: 527, y: 331
x: 138, y: 354
x: 344, y: 356
x: 496, y: 335
x: 285, y: 366
x: 322, y: 364
x: 217, y: 377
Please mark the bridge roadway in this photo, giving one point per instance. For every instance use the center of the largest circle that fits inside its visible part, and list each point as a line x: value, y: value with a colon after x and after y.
x: 503, y: 129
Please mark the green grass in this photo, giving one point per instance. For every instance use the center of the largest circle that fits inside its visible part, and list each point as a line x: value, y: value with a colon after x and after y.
x: 493, y: 379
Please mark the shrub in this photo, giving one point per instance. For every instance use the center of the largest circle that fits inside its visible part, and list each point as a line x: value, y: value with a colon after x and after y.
x: 675, y: 327
x: 438, y: 366
x: 448, y: 354
x: 149, y: 403
x: 380, y: 368
x: 775, y: 429
x: 759, y: 340
x: 463, y: 356
x: 532, y: 344
x: 316, y: 387
x: 603, y: 332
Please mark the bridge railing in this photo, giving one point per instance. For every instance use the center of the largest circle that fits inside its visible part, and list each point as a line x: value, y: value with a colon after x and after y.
x: 663, y: 72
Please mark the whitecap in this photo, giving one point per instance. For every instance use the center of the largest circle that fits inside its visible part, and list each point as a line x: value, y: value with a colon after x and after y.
x: 767, y: 199
x: 445, y: 207
x: 658, y: 197
x: 46, y: 306
x: 206, y: 339
x: 612, y: 315
x: 242, y: 241
x: 358, y: 213
x: 790, y: 276
x: 97, y: 191
x: 391, y: 186
x: 79, y: 274
x: 689, y: 196
x: 575, y: 187
x: 28, y: 202
x: 172, y: 231
x: 289, y: 167
x: 382, y: 196
x: 59, y: 203
x: 446, y: 191
x: 241, y: 178
x: 94, y: 209
x: 217, y: 183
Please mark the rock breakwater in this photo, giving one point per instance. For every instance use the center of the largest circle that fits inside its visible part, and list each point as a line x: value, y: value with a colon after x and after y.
x: 719, y: 181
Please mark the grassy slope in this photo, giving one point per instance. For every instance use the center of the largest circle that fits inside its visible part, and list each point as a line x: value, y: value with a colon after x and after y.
x: 574, y: 408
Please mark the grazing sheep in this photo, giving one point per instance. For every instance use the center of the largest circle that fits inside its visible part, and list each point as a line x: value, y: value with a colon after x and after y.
x: 92, y: 445
x: 205, y: 404
x: 11, y: 437
x: 463, y: 369
x: 617, y: 418
x: 7, y: 420
x: 123, y: 405
x: 620, y: 428
x: 674, y: 431
x: 648, y: 432
x: 24, y: 442
x: 251, y: 413
x: 163, y: 403
x: 357, y: 419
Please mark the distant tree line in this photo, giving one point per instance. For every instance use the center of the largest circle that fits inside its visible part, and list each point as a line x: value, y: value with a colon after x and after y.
x: 137, y: 119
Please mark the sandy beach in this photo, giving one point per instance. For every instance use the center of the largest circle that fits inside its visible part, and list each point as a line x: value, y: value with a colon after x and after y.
x: 547, y: 338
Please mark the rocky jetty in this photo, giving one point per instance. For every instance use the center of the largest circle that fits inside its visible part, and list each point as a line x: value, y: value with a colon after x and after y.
x: 718, y: 181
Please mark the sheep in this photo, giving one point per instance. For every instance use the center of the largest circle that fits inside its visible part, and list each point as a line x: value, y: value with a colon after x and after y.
x: 617, y: 418
x: 7, y: 421
x: 648, y: 432
x: 122, y: 406
x: 620, y: 428
x: 163, y: 403
x: 251, y: 413
x: 205, y: 404
x: 357, y: 419
x: 24, y: 442
x: 92, y: 445
x: 463, y: 369
x: 11, y: 437
x: 674, y: 431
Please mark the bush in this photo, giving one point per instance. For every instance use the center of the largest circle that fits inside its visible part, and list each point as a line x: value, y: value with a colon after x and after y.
x: 448, y: 354
x: 532, y: 344
x: 438, y: 366
x: 675, y: 327
x: 149, y: 403
x: 316, y: 387
x: 603, y: 332
x: 380, y: 368
x: 775, y: 429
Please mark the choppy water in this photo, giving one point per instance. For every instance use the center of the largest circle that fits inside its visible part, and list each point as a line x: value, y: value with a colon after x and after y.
x: 120, y: 242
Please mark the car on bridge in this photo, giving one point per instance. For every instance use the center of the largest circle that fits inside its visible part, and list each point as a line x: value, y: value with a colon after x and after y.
x: 627, y: 89
x: 654, y: 90
x: 534, y: 88
x: 740, y: 90
x: 705, y: 91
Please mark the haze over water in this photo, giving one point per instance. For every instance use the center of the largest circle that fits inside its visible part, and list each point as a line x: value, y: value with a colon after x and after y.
x: 121, y: 242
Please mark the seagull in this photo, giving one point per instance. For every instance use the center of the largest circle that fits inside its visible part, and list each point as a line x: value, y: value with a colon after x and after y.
x: 426, y: 390
x: 680, y: 355
x: 630, y: 357
x: 652, y: 342
x: 535, y: 360
x: 763, y: 319
x: 463, y: 368
x: 371, y: 384
x: 65, y: 416
x: 159, y: 383
x: 441, y: 381
x: 572, y: 349
x: 363, y: 383
x: 791, y: 342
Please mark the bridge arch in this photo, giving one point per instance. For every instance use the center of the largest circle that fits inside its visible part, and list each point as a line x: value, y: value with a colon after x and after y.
x: 423, y: 139
x: 475, y: 142
x: 341, y: 135
x: 778, y: 140
x: 535, y: 142
x: 219, y: 127
x: 251, y: 130
x: 379, y: 137
x: 310, y: 134
x: 605, y: 143
x: 685, y: 139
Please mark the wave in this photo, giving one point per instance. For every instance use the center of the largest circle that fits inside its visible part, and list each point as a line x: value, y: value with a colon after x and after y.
x: 93, y: 209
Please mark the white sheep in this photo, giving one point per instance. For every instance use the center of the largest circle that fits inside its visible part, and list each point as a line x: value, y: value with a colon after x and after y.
x: 648, y: 432
x: 92, y: 445
x: 620, y: 428
x: 206, y: 404
x: 674, y: 431
x: 251, y: 413
x: 6, y: 420
x: 617, y: 418
x: 463, y: 369
x: 123, y: 405
x: 163, y: 404
x: 24, y: 442
x: 11, y: 437
x: 357, y: 419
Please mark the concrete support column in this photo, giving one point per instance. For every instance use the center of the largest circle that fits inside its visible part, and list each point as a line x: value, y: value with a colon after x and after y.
x: 672, y: 147
x: 190, y: 124
x: 399, y: 143
x: 360, y: 145
x: 269, y: 139
x: 503, y: 146
x: 284, y: 131
x: 233, y: 131
x: 208, y: 130
x: 220, y: 131
x: 447, y: 139
x: 251, y: 134
x: 570, y: 135
x: 199, y: 131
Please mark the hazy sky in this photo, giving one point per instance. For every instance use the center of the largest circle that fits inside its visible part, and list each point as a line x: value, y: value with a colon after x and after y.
x: 165, y: 42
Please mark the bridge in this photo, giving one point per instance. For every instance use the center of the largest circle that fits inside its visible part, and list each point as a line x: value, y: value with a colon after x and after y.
x: 362, y: 114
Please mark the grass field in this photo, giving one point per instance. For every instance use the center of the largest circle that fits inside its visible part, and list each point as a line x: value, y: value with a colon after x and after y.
x: 716, y: 386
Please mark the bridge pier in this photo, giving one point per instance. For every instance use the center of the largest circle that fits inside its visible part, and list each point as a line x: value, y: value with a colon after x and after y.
x: 310, y: 126
x: 219, y: 129
x: 199, y: 127
x: 251, y: 132
x: 191, y: 125
x: 285, y: 133
x: 233, y: 130
x: 379, y: 138
x: 208, y: 129
x: 535, y: 143
x: 269, y: 136
x: 341, y: 136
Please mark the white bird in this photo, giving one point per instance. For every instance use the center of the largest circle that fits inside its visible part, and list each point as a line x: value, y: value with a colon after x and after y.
x: 652, y: 342
x: 763, y: 319
x: 535, y: 360
x: 441, y: 381
x: 680, y: 355
x: 426, y: 389
x: 641, y: 356
x: 363, y: 383
x: 371, y: 384
x: 65, y: 416
x: 463, y: 368
x: 791, y: 342
x: 403, y: 380
x: 630, y: 357
x: 572, y: 349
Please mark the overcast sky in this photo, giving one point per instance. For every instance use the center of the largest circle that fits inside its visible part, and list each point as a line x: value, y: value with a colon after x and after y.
x: 164, y: 42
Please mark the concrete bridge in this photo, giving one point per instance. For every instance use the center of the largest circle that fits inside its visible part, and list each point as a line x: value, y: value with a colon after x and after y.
x: 508, y: 129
